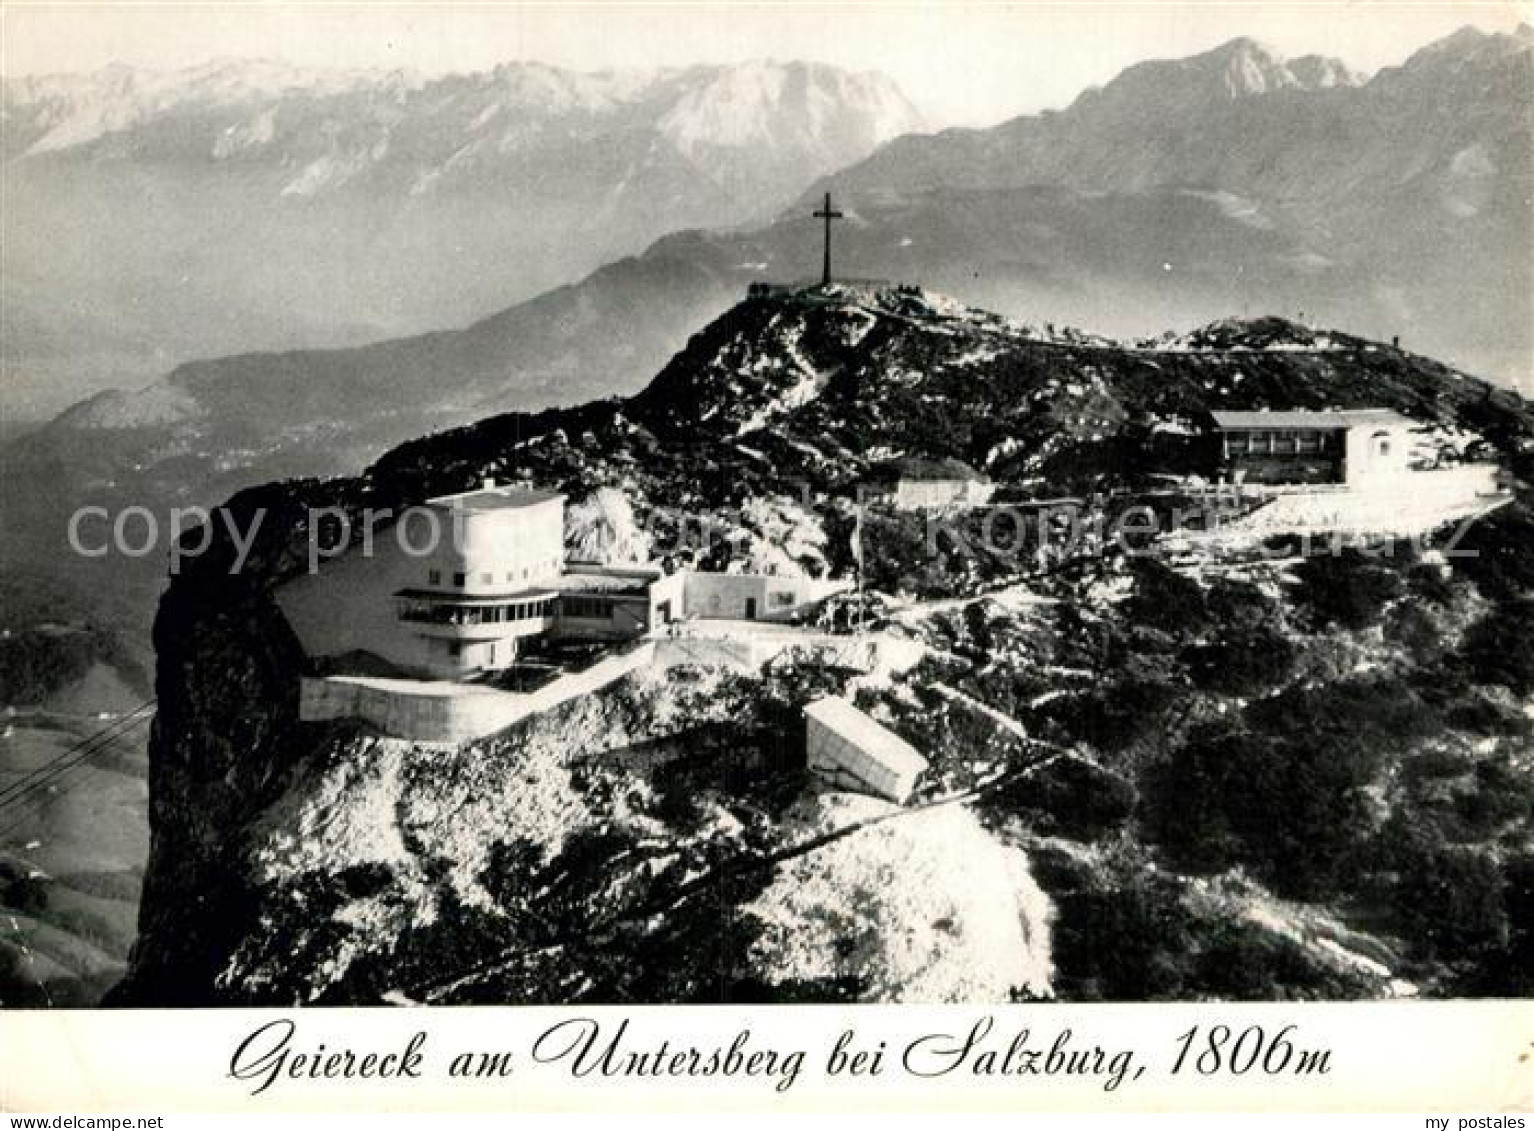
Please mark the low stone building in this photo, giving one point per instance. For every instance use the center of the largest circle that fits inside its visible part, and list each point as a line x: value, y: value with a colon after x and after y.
x: 847, y: 748
x: 922, y: 484
x: 699, y: 595
x: 1280, y: 447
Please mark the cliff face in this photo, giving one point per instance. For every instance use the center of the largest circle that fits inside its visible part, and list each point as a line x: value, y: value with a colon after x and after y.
x: 225, y: 736
x: 1340, y: 729
x: 608, y: 850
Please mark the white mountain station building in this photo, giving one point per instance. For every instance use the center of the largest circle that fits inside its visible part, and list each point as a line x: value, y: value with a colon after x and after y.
x: 494, y: 578
x: 1354, y: 446
x: 489, y: 580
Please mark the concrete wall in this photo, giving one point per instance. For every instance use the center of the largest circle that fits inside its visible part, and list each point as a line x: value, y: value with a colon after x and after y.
x: 496, y: 551
x: 750, y: 653
x: 725, y: 596
x: 841, y: 759
x: 415, y: 713
x: 1411, y: 502
x: 668, y: 599
x: 451, y: 714
x: 1375, y: 451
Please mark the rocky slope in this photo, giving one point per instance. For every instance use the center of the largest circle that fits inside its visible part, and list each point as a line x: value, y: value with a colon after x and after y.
x: 658, y: 841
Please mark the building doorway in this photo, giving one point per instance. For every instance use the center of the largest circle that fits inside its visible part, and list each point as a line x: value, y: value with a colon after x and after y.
x: 750, y: 608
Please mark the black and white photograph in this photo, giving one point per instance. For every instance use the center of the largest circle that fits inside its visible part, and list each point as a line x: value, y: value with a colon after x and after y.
x: 766, y: 505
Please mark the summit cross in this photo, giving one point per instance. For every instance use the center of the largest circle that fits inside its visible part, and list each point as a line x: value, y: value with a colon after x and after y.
x: 827, y: 213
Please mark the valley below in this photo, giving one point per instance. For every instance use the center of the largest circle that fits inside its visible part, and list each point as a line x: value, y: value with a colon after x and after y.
x: 72, y: 852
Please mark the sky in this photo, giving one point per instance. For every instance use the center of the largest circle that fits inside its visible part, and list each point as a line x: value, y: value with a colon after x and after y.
x: 961, y: 63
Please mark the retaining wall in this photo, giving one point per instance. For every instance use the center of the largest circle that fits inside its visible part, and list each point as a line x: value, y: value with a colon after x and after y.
x: 449, y: 714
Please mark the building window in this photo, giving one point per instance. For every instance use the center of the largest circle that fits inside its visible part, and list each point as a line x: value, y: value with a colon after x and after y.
x: 487, y: 579
x: 454, y: 649
x: 459, y: 579
x: 587, y: 608
x: 434, y: 577
x: 783, y: 600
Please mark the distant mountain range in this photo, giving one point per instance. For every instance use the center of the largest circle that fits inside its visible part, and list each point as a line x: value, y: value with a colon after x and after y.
x: 151, y: 217
x: 1229, y: 184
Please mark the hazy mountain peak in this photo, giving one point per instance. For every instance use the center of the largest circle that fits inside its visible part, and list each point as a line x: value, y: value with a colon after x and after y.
x: 1241, y: 68
x: 826, y: 114
x: 754, y: 102
x: 1472, y: 45
x: 69, y: 110
x: 1318, y: 72
x: 1248, y: 67
x: 1243, y: 51
x: 552, y: 89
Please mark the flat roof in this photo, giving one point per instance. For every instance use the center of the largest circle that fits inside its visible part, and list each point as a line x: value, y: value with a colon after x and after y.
x: 1308, y: 418
x: 929, y: 470
x: 849, y: 722
x: 578, y: 582
x: 459, y: 597
x: 513, y: 497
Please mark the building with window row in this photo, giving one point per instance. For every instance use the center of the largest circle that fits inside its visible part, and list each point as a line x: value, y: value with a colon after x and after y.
x: 453, y: 586
x: 1351, y: 447
x: 458, y: 586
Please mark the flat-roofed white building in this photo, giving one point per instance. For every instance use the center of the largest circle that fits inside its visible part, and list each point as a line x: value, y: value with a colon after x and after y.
x: 701, y: 595
x: 925, y: 484
x: 1288, y: 446
x: 449, y: 589
x: 848, y: 748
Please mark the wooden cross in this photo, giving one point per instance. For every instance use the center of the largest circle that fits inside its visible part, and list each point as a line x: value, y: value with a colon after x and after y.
x: 827, y: 214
